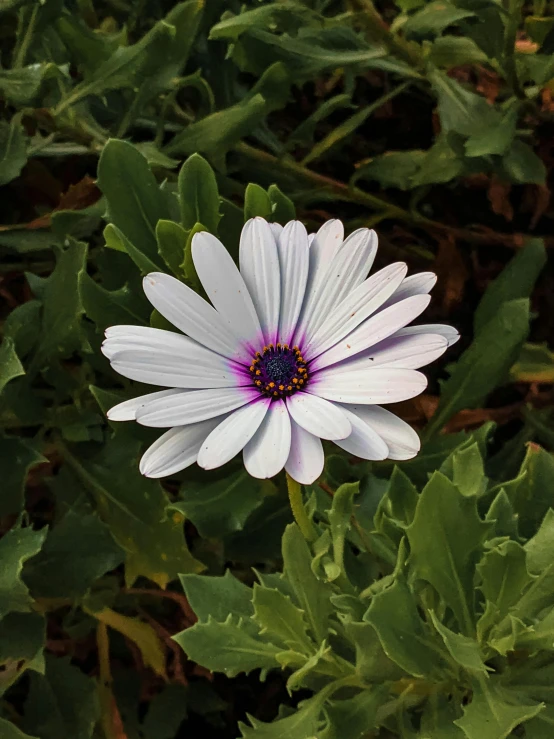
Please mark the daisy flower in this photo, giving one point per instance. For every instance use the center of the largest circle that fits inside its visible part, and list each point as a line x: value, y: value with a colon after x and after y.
x: 297, y: 346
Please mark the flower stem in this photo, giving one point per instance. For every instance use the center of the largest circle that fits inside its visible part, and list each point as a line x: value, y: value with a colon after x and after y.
x: 298, y: 510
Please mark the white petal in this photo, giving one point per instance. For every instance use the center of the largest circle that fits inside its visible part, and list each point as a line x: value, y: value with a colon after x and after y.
x: 193, y: 406
x: 153, y: 367
x: 375, y: 329
x: 324, y: 246
x: 137, y: 337
x: 401, y: 439
x: 259, y: 266
x: 368, y: 386
x: 232, y: 434
x: 410, y: 351
x: 347, y: 270
x: 175, y: 450
x: 191, y: 314
x: 127, y: 410
x: 276, y: 229
x: 311, y: 237
x: 294, y: 261
x: 267, y: 452
x: 318, y: 416
x: 418, y: 284
x: 226, y: 289
x: 306, y: 458
x: 361, y: 303
x: 363, y: 442
x: 449, y: 332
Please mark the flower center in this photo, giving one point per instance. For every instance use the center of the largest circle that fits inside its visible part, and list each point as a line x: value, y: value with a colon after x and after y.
x: 279, y: 371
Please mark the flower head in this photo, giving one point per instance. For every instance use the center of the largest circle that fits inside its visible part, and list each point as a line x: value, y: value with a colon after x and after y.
x: 295, y: 347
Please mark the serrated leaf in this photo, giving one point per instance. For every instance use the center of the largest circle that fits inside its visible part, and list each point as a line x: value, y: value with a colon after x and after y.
x: 466, y: 470
x: 494, y: 712
x: 280, y: 619
x: 405, y: 638
x: 460, y: 110
x: 217, y: 597
x: 463, y: 649
x: 220, y: 504
x: 515, y: 281
x: 135, y: 208
x: 16, y: 547
x: 496, y: 139
x: 22, y: 637
x: 312, y: 595
x: 10, y: 366
x: 126, y: 305
x: 78, y: 550
x: 340, y: 516
x: 439, y: 555
x: 531, y: 493
x: 198, y: 194
x: 13, y: 149
x: 154, y: 542
x: 540, y: 548
x: 353, y: 718
x: 227, y: 647
x: 302, y: 724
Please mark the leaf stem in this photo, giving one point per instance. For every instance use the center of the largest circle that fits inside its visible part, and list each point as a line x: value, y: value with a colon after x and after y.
x: 298, y: 511
x: 21, y: 53
x: 378, y: 30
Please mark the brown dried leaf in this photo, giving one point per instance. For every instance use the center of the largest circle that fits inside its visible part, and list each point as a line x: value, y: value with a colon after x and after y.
x: 499, y: 198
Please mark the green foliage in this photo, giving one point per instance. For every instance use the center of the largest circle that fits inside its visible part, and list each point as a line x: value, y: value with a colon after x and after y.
x: 423, y: 606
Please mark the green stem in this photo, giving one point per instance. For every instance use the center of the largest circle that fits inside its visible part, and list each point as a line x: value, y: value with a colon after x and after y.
x: 298, y: 511
x: 21, y: 53
x: 514, y: 8
x: 379, y: 31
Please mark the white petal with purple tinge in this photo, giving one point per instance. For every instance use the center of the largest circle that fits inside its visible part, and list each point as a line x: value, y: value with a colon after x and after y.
x: 401, y: 439
x: 191, y: 314
x: 375, y: 329
x: 318, y: 416
x: 267, y: 452
x: 191, y: 406
x: 371, y: 386
x: 294, y: 261
x: 175, y: 450
x: 306, y: 458
x: 259, y: 267
x: 127, y: 410
x: 232, y: 434
x: 354, y: 309
x: 363, y: 442
x: 226, y: 288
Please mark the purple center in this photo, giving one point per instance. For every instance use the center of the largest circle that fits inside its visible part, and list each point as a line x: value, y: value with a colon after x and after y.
x: 279, y: 371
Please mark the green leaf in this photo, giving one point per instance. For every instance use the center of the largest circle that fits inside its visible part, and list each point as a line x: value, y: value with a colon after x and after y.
x: 463, y: 649
x: 496, y: 139
x: 353, y: 718
x: 433, y: 18
x: 61, y: 332
x: 531, y: 494
x: 78, y: 550
x: 154, y: 543
x: 10, y: 731
x: 172, y: 242
x: 198, y: 194
x: 22, y: 86
x: 282, y: 208
x: 62, y: 703
x: 466, y: 470
x: 311, y: 594
x: 256, y: 202
x: 485, y: 364
x: 22, y: 637
x: 453, y: 51
x: 10, y: 366
x: 534, y: 364
x: 135, y: 202
x: 522, y: 165
x: 439, y: 555
x: 340, y: 521
x: 227, y: 647
x: 302, y: 724
x: 515, y: 281
x: 166, y: 712
x: 17, y: 456
x: 372, y: 663
x: 493, y: 712
x: 116, y: 239
x: 13, y: 149
x: 16, y: 547
x: 233, y: 27
x: 126, y: 305
x: 218, y: 503
x: 540, y: 548
x: 280, y: 619
x: 440, y: 164
x: 460, y: 110
x: 405, y: 638
x: 217, y: 597
x: 392, y: 169
x: 23, y: 326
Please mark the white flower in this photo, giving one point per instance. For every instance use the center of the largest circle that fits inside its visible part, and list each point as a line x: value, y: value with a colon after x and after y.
x: 296, y: 347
